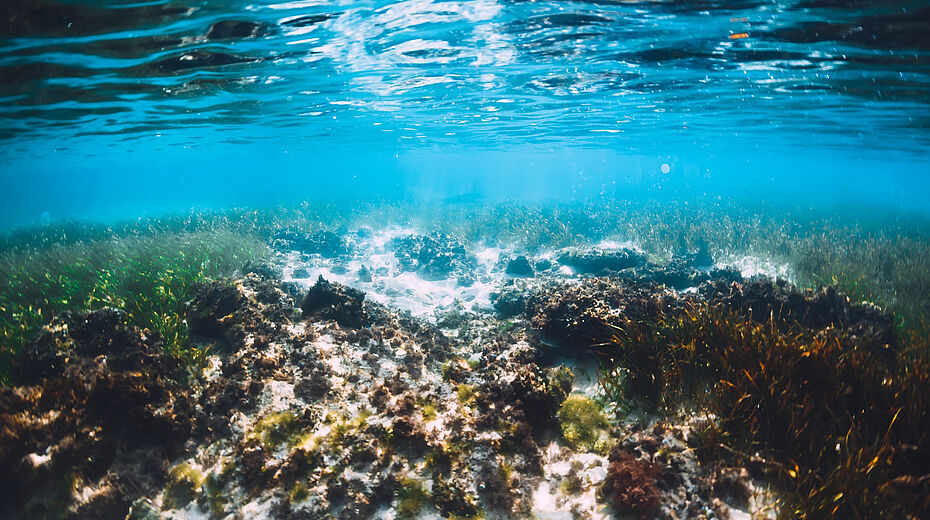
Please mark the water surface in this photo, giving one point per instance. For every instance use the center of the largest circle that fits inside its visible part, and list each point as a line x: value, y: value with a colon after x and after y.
x: 115, y: 109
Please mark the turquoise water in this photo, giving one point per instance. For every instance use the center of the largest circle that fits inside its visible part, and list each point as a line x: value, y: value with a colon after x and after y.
x: 113, y: 110
x: 464, y: 258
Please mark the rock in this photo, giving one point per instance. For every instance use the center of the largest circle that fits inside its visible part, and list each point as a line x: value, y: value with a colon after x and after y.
x: 221, y: 310
x: 510, y: 301
x: 519, y: 267
x: 364, y: 274
x: 323, y: 243
x: 332, y: 301
x: 435, y: 257
x: 316, y: 386
x: 597, y: 261
x: 211, y: 307
x: 301, y: 273
x: 574, y: 315
x: 264, y: 270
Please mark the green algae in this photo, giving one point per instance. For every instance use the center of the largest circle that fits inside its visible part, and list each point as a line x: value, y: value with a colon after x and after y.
x: 213, y: 486
x: 465, y: 393
x: 184, y: 483
x: 343, y: 425
x: 271, y: 431
x: 428, y: 410
x: 299, y: 492
x: 411, y: 497
x: 583, y: 424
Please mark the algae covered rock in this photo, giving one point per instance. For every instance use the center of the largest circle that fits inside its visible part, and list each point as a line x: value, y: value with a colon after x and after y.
x: 230, y: 310
x: 435, y: 256
x: 583, y: 423
x: 323, y: 243
x: 599, y: 261
x: 101, y: 410
x: 213, y: 307
x: 510, y: 301
x: 332, y: 301
x: 574, y: 315
x: 76, y: 335
x: 520, y: 267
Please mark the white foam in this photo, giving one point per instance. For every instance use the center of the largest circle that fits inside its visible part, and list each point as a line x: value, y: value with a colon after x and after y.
x: 611, y: 245
x: 390, y: 285
x: 750, y: 266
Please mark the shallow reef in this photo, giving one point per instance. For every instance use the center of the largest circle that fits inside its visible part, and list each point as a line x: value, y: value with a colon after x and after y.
x: 812, y: 392
x: 571, y: 383
x: 98, y: 414
x: 436, y: 256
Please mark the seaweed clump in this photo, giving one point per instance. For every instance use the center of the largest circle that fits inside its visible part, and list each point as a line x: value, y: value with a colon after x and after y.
x: 411, y: 497
x: 583, y: 423
x: 838, y: 421
x: 631, y: 484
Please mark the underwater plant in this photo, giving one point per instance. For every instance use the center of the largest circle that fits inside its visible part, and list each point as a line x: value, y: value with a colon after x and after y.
x: 631, y: 484
x: 273, y: 429
x: 150, y: 277
x: 583, y: 423
x: 184, y: 483
x: 841, y: 426
x: 411, y: 497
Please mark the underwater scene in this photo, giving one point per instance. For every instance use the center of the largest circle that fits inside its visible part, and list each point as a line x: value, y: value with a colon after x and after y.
x: 465, y: 259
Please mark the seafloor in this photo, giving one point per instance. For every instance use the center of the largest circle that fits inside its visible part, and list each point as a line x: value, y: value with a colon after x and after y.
x: 394, y: 372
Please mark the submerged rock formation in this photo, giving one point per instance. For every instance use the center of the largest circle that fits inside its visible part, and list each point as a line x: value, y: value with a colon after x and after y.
x: 99, y: 413
x: 300, y: 400
x: 436, y: 256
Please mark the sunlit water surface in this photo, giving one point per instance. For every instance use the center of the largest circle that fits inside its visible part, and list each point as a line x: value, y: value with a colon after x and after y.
x: 126, y: 108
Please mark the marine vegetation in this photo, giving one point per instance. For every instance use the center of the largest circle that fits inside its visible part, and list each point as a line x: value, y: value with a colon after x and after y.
x: 149, y: 277
x: 583, y: 423
x: 841, y: 421
x: 821, y: 395
x: 411, y: 497
x: 631, y: 483
x: 184, y: 482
